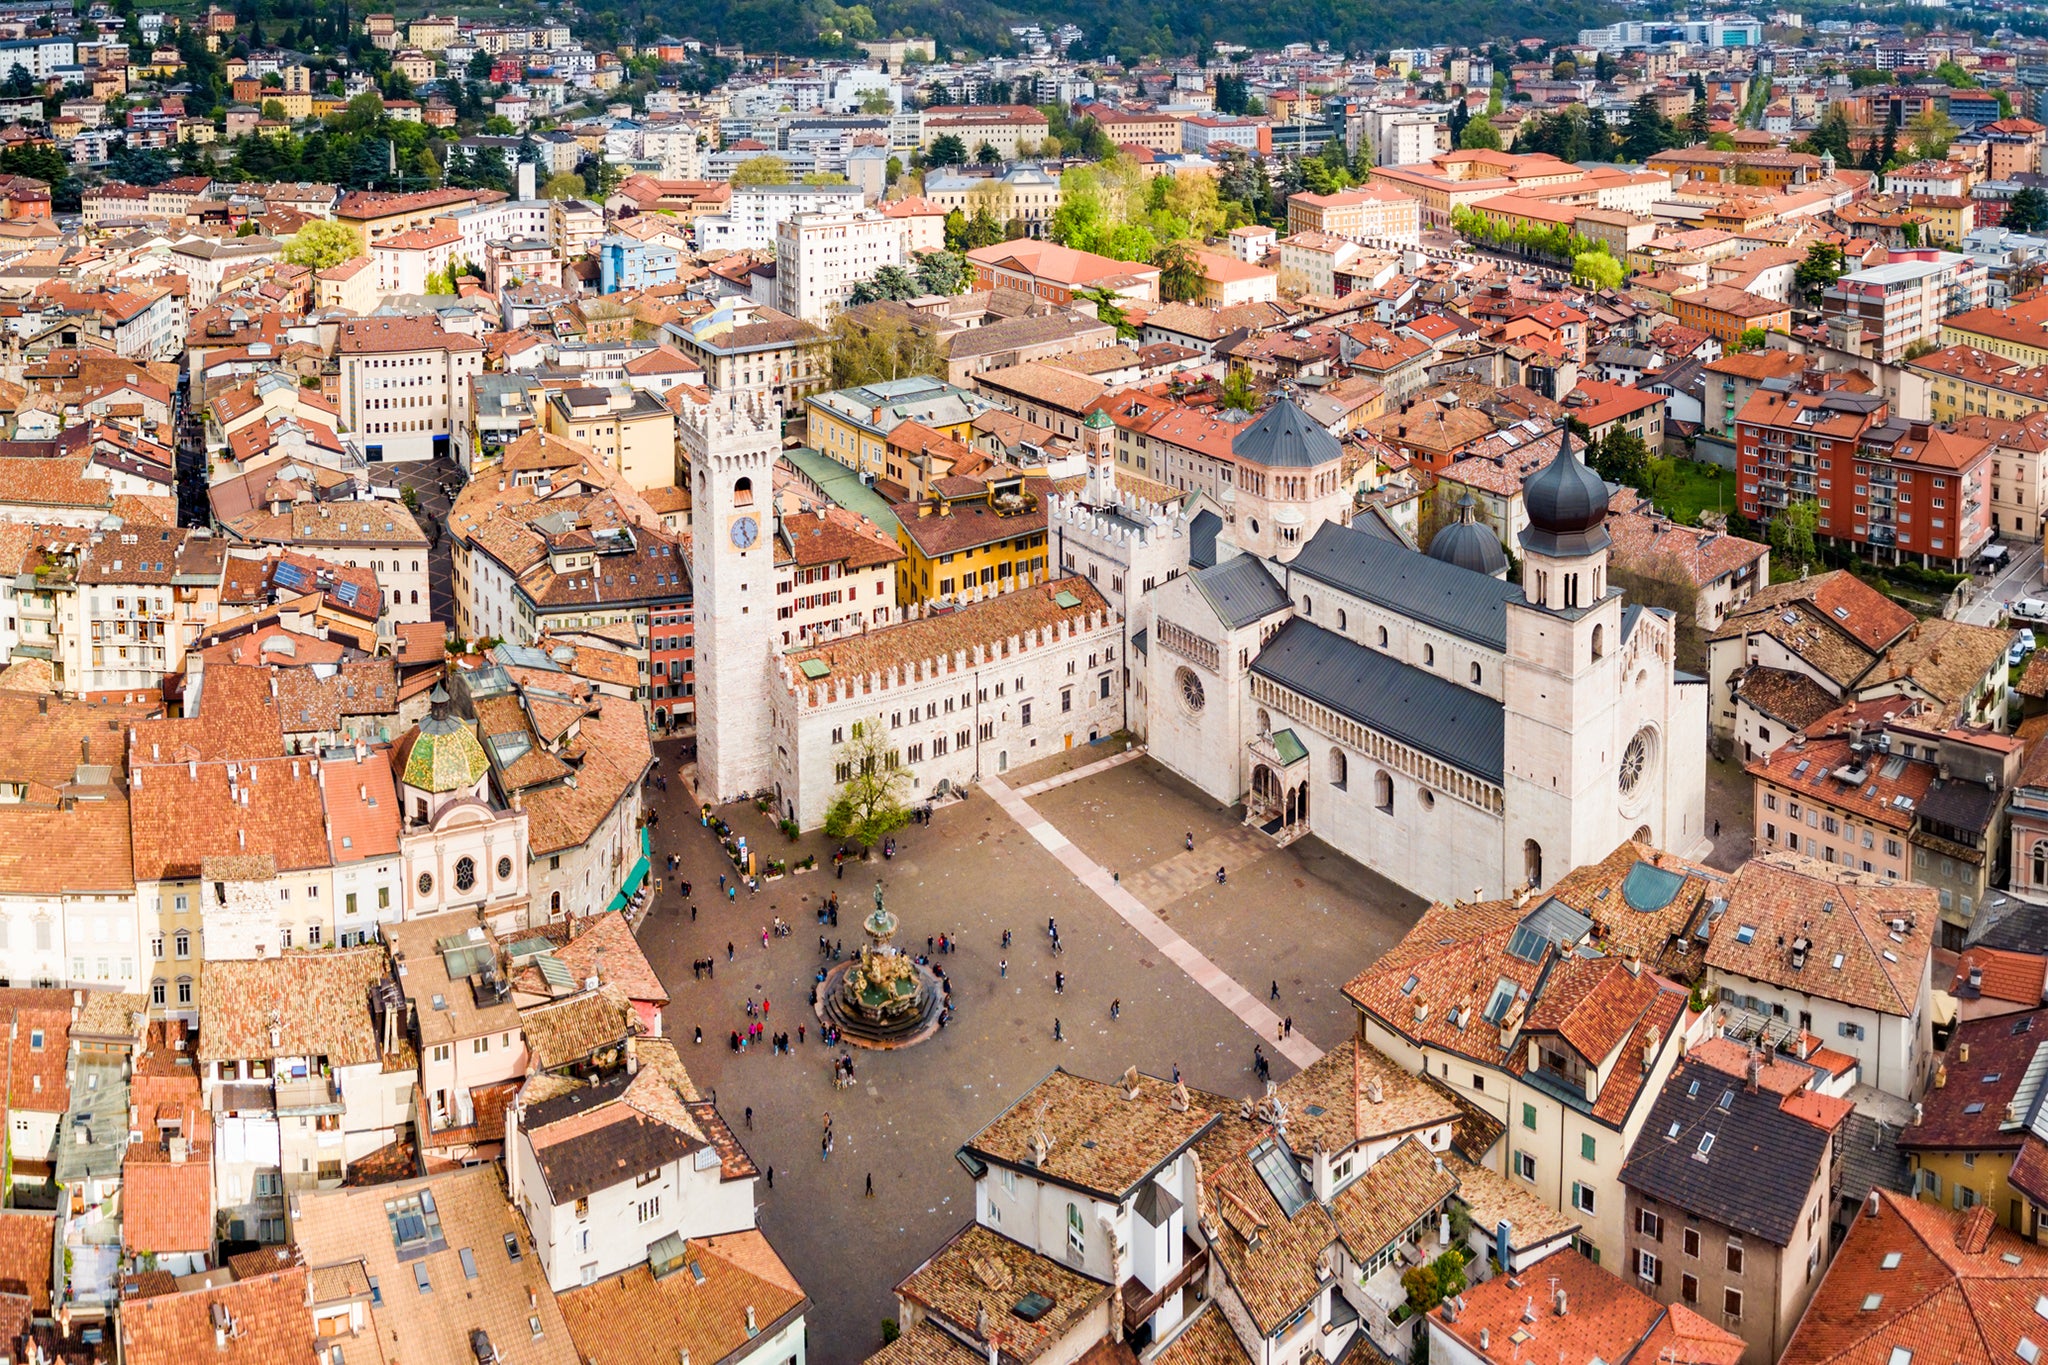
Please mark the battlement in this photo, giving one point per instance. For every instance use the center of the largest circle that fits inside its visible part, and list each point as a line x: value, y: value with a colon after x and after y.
x: 1131, y: 521
x: 730, y: 419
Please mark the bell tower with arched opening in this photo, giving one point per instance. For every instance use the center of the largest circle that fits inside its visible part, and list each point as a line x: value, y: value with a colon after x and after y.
x: 1562, y: 680
x: 730, y: 446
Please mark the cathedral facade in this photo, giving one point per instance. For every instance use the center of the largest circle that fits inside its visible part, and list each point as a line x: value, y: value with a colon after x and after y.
x: 1458, y: 733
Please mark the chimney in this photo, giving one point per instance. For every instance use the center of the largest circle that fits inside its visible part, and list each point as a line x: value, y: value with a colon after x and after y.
x: 1963, y: 1052
x: 1560, y: 1303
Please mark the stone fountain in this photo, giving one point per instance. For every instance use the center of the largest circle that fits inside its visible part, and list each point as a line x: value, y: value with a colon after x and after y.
x: 882, y: 998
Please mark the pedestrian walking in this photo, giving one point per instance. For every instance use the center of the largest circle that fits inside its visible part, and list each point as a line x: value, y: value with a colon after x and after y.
x: 799, y: 1035
x: 1221, y: 877
x: 1006, y: 939
x: 870, y: 1194
x: 700, y: 1035
x: 1003, y: 969
x: 693, y: 914
x: 721, y: 881
x: 750, y: 1117
x: 1176, y: 1073
x: 1057, y: 1036
x: 1287, y: 1026
x: 1274, y: 993
x: 732, y: 893
x: 1190, y: 841
x: 728, y: 951
x: 1717, y: 829
x: 1059, y: 983
x: 1116, y: 1009
x: 771, y: 1177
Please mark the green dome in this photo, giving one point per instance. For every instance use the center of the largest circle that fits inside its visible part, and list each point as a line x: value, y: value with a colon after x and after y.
x: 445, y: 757
x: 1097, y: 419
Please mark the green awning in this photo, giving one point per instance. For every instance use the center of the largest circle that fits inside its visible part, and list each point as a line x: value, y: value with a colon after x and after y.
x: 634, y: 876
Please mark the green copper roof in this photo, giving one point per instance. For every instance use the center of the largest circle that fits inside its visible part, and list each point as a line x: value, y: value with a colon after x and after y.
x: 1097, y: 419
x: 1288, y: 745
x: 446, y: 757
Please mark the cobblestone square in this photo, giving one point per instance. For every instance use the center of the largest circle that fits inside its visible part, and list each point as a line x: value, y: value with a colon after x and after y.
x: 1301, y: 916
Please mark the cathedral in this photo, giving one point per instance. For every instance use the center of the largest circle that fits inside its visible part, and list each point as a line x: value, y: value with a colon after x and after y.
x: 1461, y: 734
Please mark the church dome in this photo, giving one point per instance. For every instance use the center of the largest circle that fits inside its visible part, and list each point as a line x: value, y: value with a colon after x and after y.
x: 1567, y: 504
x: 1469, y: 544
x: 445, y: 755
x: 1097, y: 420
x: 1286, y: 437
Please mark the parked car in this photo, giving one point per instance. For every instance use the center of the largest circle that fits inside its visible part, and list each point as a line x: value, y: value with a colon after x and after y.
x: 2029, y: 609
x: 2022, y: 646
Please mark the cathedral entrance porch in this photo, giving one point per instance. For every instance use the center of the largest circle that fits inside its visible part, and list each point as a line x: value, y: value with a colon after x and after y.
x: 1277, y: 804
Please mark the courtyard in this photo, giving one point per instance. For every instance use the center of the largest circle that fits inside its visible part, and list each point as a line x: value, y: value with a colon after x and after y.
x: 1301, y: 917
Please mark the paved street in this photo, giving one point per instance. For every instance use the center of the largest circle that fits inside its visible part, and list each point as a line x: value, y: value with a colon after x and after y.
x: 974, y: 872
x: 425, y: 478
x: 1988, y: 598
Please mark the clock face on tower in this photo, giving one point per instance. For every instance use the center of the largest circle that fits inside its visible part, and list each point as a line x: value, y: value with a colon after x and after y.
x: 744, y: 529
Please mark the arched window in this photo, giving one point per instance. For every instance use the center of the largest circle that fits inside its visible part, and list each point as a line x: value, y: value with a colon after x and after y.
x: 2040, y: 863
x: 1532, y: 862
x: 554, y: 902
x: 1429, y: 656
x: 743, y: 492
x: 1599, y: 641
x: 1340, y: 768
x: 1475, y: 675
x: 1383, y: 637
x: 1340, y: 618
x: 1383, y: 791
x: 1307, y: 608
x: 415, y: 597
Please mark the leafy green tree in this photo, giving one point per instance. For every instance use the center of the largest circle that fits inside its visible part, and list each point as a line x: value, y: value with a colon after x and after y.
x: 942, y: 272
x: 480, y: 64
x: 1933, y: 131
x: 870, y: 806
x: 2026, y: 211
x: 877, y: 102
x: 1238, y: 392
x: 1832, y: 135
x: 323, y: 243
x: 1822, y: 267
x: 1181, y: 279
x: 1500, y: 90
x: 761, y: 170
x: 888, y: 282
x: 987, y: 155
x: 1621, y: 457
x: 956, y: 230
x: 1955, y: 77
x: 20, y: 85
x: 946, y: 150
x: 1598, y: 269
x: 1751, y: 339
x: 894, y: 170
x: 567, y: 185
x: 139, y: 165
x: 1791, y: 534
x: 874, y: 350
x: 1109, y: 308
x: 1480, y: 136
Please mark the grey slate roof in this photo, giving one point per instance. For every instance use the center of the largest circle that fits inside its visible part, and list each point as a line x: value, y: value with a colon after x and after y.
x: 1286, y: 437
x: 1240, y: 590
x: 1400, y: 701
x: 1202, y: 539
x: 1759, y: 1169
x: 1468, y: 604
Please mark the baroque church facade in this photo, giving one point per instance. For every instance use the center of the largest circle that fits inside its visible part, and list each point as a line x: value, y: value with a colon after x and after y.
x: 1460, y: 734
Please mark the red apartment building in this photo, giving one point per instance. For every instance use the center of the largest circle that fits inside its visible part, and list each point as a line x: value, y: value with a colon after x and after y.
x: 1882, y: 484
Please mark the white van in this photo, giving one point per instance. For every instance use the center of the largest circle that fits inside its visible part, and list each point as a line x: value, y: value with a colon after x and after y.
x: 2028, y: 609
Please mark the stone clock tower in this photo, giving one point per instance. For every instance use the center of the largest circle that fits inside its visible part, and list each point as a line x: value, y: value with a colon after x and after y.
x: 730, y: 446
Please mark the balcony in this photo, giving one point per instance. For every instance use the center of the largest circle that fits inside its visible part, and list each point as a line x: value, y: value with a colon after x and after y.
x: 308, y: 1095
x: 1883, y: 535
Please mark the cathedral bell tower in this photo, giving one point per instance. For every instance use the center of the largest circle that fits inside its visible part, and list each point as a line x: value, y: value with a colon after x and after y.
x: 1562, y: 680
x: 730, y: 446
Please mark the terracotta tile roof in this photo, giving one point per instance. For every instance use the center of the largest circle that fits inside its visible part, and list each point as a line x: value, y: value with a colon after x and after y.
x: 1957, y: 1290
x: 1780, y: 897
x: 1649, y: 543
x: 1281, y: 1273
x: 925, y: 1344
x: 184, y: 814
x: 1791, y: 698
x: 37, y: 1077
x: 2021, y: 978
x: 166, y: 1207
x: 50, y: 851
x: 1096, y: 1139
x: 1397, y: 1191
x: 980, y: 1271
x: 606, y: 948
x: 1362, y: 1095
x: 1592, y: 1003
x: 992, y: 622
x: 635, y: 1319
x: 1493, y: 1198
x: 1606, y: 1318
x: 562, y: 1032
x: 1813, y: 770
x: 614, y: 752
x: 339, y: 1227
x: 320, y: 1002
x: 1966, y: 1108
x: 1646, y: 903
x: 26, y: 1239
x: 268, y: 1324
x: 1944, y: 660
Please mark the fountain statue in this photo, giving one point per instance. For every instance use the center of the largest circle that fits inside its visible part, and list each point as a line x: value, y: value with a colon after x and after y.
x: 882, y: 998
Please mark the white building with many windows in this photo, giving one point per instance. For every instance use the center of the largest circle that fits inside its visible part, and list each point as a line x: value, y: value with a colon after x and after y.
x: 405, y: 386
x: 820, y: 257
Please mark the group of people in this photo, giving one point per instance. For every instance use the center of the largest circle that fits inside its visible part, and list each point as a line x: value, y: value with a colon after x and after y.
x: 704, y: 969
